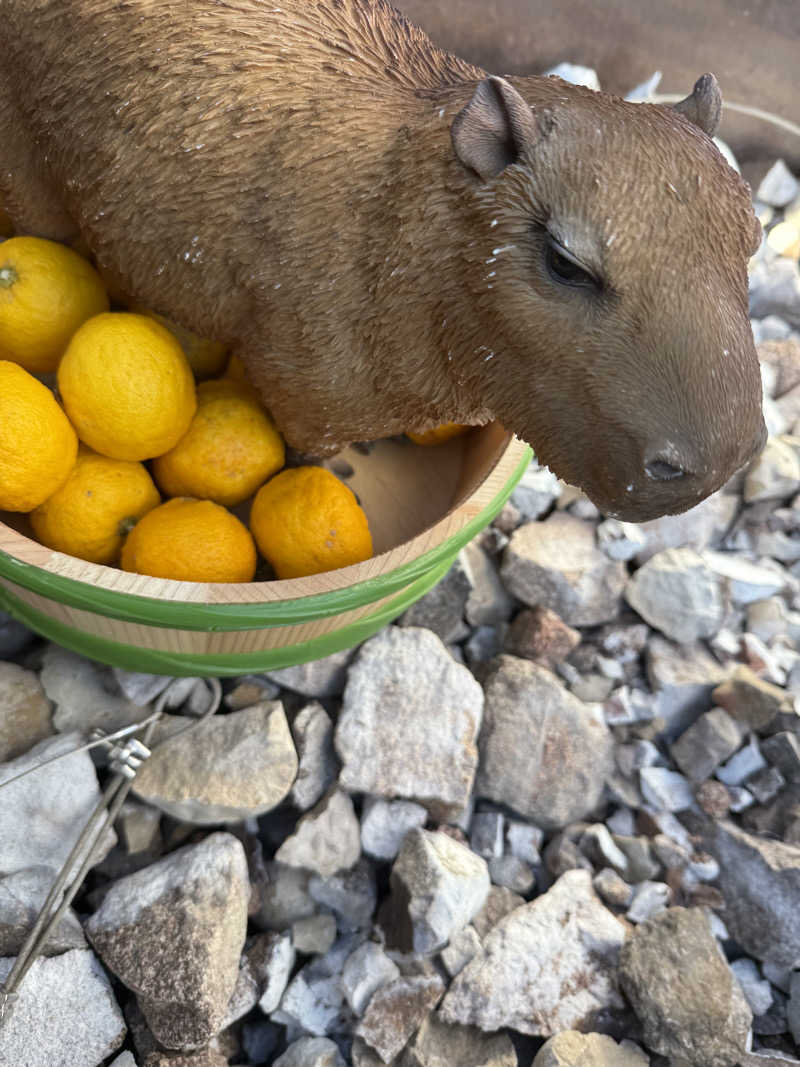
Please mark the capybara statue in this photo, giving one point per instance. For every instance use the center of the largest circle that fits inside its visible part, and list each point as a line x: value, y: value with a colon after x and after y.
x: 391, y: 238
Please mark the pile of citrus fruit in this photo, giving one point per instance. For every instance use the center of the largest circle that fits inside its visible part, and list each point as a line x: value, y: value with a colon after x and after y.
x: 127, y: 439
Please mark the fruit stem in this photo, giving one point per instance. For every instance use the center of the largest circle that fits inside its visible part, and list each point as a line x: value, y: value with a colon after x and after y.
x: 7, y: 277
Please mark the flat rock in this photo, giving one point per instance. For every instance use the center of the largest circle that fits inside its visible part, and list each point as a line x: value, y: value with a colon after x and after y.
x: 682, y: 678
x: 385, y: 823
x: 779, y: 186
x: 441, y: 610
x: 701, y: 526
x: 488, y: 603
x: 540, y: 635
x: 224, y: 769
x: 327, y: 838
x: 760, y: 880
x: 315, y: 934
x: 26, y: 711
x: 22, y: 895
x: 750, y: 700
x: 396, y: 1011
x: 438, y: 885
x: 682, y: 990
x: 557, y: 565
x: 571, y: 1049
x: 548, y: 966
x: 173, y: 934
x: 311, y: 1052
x: 365, y: 970
x: 747, y: 582
x: 312, y: 731
x: 65, y: 1014
x: 439, y: 1044
x: 708, y: 742
x: 677, y: 593
x: 51, y: 805
x: 544, y: 753
x: 317, y: 679
x: 390, y: 742
x: 85, y: 694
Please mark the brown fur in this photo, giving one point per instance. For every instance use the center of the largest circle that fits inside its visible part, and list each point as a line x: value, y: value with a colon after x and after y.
x: 280, y: 176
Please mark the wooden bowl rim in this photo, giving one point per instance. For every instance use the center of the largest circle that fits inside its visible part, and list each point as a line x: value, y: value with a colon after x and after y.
x: 199, y: 606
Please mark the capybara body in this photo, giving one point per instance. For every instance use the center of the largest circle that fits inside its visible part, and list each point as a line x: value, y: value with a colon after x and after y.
x: 392, y: 240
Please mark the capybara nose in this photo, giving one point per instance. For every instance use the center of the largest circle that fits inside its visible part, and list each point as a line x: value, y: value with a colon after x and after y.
x: 661, y: 470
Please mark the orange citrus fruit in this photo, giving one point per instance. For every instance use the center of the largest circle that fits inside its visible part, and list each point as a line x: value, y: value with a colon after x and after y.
x: 46, y: 292
x: 37, y: 444
x: 229, y: 450
x: 206, y: 358
x: 306, y: 521
x: 190, y: 541
x: 127, y: 386
x: 439, y: 434
x: 93, y: 511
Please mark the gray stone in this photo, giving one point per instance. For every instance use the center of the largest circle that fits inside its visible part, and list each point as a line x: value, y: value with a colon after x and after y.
x: 708, y: 742
x: 556, y: 564
x: 779, y: 186
x: 13, y: 636
x: 703, y: 525
x: 782, y: 353
x: 125, y: 1059
x: 746, y: 762
x: 793, y: 1006
x: 512, y: 872
x: 757, y: 991
x: 488, y: 602
x: 626, y: 706
x: 751, y: 700
x: 437, y: 1044
x: 311, y: 1052
x: 173, y: 933
x: 313, y: 1002
x: 257, y: 971
x: 385, y: 823
x: 327, y: 838
x: 276, y: 967
x: 783, y: 751
x: 775, y: 290
x: 26, y: 711
x: 463, y: 947
x: 597, y: 843
x: 682, y: 990
x: 365, y: 970
x: 22, y: 895
x: 396, y: 1011
x: 85, y: 694
x: 316, y: 679
x: 638, y: 852
x: 314, y: 935
x: 649, y: 899
x: 766, y: 784
x: 760, y: 880
x: 677, y: 593
x: 486, y: 834
x: 51, y: 805
x: 547, y: 966
x: 774, y: 474
x: 139, y: 827
x: 140, y: 688
x: 438, y: 885
x: 747, y: 582
x: 285, y: 897
x: 535, y: 493
x: 484, y: 644
x: 388, y: 740
x: 224, y: 769
x: 351, y: 895
x: 312, y: 731
x: 683, y: 678
x: 571, y: 1049
x: 543, y: 752
x: 621, y: 540
x: 65, y: 1014
x: 612, y: 888
x: 442, y: 608
x: 524, y: 841
x: 250, y: 689
x: 632, y: 757
x: 665, y: 790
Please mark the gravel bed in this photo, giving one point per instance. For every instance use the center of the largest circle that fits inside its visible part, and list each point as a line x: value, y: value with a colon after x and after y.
x: 549, y: 817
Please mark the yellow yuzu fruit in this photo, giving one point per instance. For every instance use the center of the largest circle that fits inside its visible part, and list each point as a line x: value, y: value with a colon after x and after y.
x: 37, y: 444
x: 229, y: 450
x: 439, y: 434
x: 96, y: 507
x: 206, y: 358
x: 306, y: 521
x: 190, y: 541
x: 46, y: 292
x: 127, y: 386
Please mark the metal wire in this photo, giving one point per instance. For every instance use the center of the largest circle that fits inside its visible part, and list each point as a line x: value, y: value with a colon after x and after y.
x: 126, y: 760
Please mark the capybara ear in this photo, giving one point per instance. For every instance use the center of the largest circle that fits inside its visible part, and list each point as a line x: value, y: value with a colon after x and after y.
x: 703, y: 106
x: 489, y: 133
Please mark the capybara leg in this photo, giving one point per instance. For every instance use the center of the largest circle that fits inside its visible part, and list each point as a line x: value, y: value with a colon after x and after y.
x: 27, y: 191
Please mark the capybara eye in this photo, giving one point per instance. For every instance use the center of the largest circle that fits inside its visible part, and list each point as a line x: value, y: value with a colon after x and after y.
x: 564, y: 269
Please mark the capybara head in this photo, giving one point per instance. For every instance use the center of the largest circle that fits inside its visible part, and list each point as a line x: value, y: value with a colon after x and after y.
x: 611, y: 281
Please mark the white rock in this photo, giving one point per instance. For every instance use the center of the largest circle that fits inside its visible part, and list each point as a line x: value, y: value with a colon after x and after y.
x: 756, y: 989
x: 385, y: 823
x: 314, y: 1001
x: 312, y: 731
x: 747, y: 582
x: 85, y: 694
x: 775, y: 290
x: 535, y: 492
x: 51, y: 805
x: 571, y: 1049
x: 703, y: 525
x: 665, y: 790
x: 548, y: 966
x: 621, y: 540
x: 744, y: 763
x: 327, y: 838
x: 649, y: 898
x: 285, y: 897
x: 311, y: 1052
x: 463, y: 947
x: 774, y: 474
x: 677, y: 593
x: 351, y: 895
x: 644, y: 90
x: 141, y: 688
x: 65, y: 1014
x: 438, y: 885
x: 316, y: 679
x: 578, y: 75
x: 278, y: 968
x: 22, y: 896
x: 524, y: 841
x: 779, y: 186
x: 365, y: 970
